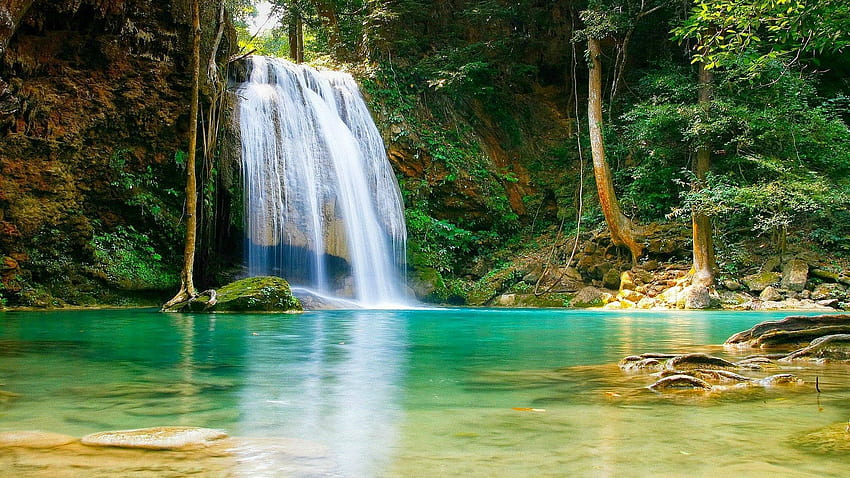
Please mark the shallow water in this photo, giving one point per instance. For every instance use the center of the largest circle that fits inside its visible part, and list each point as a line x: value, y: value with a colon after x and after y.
x: 453, y: 392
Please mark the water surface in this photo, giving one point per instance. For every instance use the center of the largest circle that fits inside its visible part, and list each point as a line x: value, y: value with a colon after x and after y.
x: 452, y: 392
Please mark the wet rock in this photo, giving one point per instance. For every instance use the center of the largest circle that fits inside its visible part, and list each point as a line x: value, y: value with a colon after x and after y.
x: 697, y: 361
x: 156, y: 438
x: 770, y: 294
x: 831, y: 439
x: 591, y: 297
x: 780, y: 379
x: 804, y: 325
x: 637, y: 363
x: 34, y: 439
x: 680, y: 382
x: 254, y: 294
x: 795, y: 274
x: 756, y: 363
x: 761, y: 281
x: 827, y: 348
x: 709, y: 375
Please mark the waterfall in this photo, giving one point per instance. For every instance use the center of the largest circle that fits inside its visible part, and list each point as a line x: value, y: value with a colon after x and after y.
x: 322, y: 205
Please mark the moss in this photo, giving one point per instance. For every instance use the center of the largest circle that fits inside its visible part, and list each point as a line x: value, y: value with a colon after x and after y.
x: 254, y: 294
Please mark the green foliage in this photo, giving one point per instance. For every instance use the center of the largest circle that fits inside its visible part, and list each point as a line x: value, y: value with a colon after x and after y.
x: 129, y: 260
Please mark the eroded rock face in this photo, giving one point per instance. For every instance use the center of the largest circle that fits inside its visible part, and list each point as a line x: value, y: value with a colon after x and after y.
x: 791, y: 330
x: 156, y: 438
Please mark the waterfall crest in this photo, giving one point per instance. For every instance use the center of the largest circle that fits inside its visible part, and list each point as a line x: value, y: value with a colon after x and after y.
x: 322, y: 205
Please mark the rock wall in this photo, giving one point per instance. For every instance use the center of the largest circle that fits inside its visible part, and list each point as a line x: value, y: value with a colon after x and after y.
x: 92, y: 138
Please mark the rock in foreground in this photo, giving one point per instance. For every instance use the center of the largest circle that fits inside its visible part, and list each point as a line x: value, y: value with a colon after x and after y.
x: 157, y: 438
x: 792, y: 330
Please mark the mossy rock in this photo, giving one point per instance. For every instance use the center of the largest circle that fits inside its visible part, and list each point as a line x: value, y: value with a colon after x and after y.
x: 254, y: 294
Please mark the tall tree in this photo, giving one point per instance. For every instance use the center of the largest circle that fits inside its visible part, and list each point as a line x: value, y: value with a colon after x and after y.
x: 187, y: 285
x: 623, y: 230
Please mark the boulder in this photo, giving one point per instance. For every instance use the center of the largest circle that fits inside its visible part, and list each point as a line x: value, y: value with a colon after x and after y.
x: 780, y: 379
x: 795, y: 274
x: 709, y: 375
x: 156, y: 438
x: 831, y: 348
x: 646, y: 303
x: 627, y: 281
x: 611, y: 279
x: 680, y: 382
x: 591, y: 297
x: 792, y: 329
x: 698, y: 361
x: 761, y: 281
x: 732, y: 285
x: 828, y: 290
x: 770, y: 294
x: 734, y: 299
x: 638, y: 363
x: 254, y: 294
x: 697, y: 297
x: 34, y: 439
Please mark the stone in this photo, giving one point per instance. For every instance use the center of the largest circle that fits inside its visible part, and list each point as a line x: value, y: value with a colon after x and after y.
x: 795, y: 274
x: 732, y: 285
x: 630, y: 295
x: 698, y: 361
x: 611, y: 279
x: 34, y: 439
x: 731, y: 298
x: 780, y: 379
x: 771, y: 265
x: 591, y: 297
x: 802, y: 326
x: 156, y: 438
x: 697, y: 297
x: 254, y: 294
x: 761, y: 281
x: 671, y: 295
x: 828, y: 291
x: 830, y: 347
x: 646, y: 303
x: 505, y: 300
x: 627, y: 281
x: 680, y: 382
x: 639, y: 363
x: 709, y: 375
x: 770, y: 294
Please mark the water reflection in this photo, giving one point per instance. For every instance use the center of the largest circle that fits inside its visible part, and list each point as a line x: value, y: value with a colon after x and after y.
x: 335, y: 379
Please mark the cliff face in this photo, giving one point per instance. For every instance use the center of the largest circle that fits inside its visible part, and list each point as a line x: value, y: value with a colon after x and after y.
x: 93, y: 127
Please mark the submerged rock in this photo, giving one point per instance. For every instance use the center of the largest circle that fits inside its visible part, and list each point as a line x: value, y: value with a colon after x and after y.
x: 638, y: 363
x: 34, y: 439
x: 697, y: 361
x: 831, y: 439
x: 156, y: 438
x: 780, y: 379
x: 709, y: 375
x: 680, y: 382
x: 831, y: 347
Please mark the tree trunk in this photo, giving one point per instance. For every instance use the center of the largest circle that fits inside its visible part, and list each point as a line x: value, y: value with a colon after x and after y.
x: 704, y: 265
x: 326, y: 10
x: 296, y: 38
x: 187, y: 285
x: 623, y: 231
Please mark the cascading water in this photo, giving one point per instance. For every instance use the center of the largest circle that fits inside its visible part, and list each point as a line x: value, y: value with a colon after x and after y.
x: 321, y: 201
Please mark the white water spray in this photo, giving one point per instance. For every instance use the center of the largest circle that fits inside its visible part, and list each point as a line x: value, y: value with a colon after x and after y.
x: 321, y: 201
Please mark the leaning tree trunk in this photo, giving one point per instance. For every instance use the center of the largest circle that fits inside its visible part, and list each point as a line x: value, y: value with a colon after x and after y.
x: 704, y: 265
x: 187, y: 285
x: 623, y: 231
